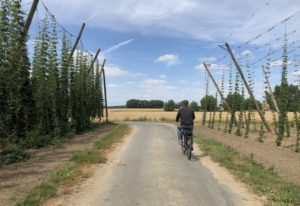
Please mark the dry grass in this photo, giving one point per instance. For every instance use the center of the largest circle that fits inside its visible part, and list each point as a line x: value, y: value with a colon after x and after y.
x: 160, y: 115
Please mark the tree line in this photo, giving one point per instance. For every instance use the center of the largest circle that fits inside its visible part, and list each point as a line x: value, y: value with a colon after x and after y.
x: 234, y: 100
x: 46, y: 96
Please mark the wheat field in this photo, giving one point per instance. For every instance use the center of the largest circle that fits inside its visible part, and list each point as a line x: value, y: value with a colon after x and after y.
x: 160, y: 115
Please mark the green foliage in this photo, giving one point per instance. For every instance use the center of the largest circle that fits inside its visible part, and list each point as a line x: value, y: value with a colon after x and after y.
x: 221, y: 103
x: 12, y: 155
x: 169, y: 106
x: 297, y: 125
x: 235, y: 101
x: 49, y: 98
x: 34, y: 139
x: 293, y: 97
x: 205, y: 104
x: 37, y: 196
x: 135, y: 103
x: 261, y: 133
x: 283, y: 101
x: 208, y: 103
x: 194, y: 106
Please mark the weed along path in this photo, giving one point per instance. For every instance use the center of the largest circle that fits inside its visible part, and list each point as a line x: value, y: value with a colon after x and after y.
x: 149, y: 169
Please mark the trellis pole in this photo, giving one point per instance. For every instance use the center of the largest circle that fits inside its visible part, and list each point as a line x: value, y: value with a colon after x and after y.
x: 262, y: 116
x: 30, y: 15
x: 104, y: 83
x: 94, y: 60
x: 76, y: 43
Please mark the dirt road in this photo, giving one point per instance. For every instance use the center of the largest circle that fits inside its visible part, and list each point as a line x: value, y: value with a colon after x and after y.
x: 150, y: 169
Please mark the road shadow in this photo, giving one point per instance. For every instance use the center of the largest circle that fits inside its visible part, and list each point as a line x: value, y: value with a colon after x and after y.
x: 196, y: 157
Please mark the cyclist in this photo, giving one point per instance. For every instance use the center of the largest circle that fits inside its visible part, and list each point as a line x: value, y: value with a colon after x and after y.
x: 186, y: 117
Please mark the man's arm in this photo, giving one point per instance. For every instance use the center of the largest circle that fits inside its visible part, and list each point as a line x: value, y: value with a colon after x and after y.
x: 178, y: 115
x: 193, y: 115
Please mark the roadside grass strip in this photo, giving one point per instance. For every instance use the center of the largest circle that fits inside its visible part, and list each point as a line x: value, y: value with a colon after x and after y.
x: 76, y: 170
x: 264, y: 181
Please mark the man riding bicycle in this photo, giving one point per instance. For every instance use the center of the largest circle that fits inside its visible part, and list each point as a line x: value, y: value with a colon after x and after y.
x: 186, y: 117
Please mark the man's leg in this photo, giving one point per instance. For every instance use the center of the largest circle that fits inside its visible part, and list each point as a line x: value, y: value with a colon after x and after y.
x: 179, y: 133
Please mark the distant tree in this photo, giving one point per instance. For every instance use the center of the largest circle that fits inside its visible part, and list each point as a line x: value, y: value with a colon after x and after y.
x: 234, y: 100
x: 210, y: 102
x: 194, y: 106
x: 169, y: 106
x: 156, y: 104
x: 293, y: 97
x: 132, y: 103
x: 135, y: 103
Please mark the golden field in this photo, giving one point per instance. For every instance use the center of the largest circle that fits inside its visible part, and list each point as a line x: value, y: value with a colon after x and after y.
x: 161, y: 115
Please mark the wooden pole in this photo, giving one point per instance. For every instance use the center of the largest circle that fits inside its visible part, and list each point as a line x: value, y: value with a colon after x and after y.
x: 220, y: 93
x: 105, y: 96
x: 76, y: 42
x: 94, y: 60
x: 262, y: 116
x: 30, y: 15
x: 270, y: 89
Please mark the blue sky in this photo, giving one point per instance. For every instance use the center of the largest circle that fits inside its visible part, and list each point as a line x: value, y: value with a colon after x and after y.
x: 154, y: 49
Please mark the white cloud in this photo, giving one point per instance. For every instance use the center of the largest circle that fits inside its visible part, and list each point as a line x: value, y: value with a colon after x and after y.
x: 188, y: 18
x: 208, y: 59
x: 153, y: 82
x: 116, y: 71
x: 296, y: 73
x: 169, y: 59
x: 162, y: 76
x: 212, y: 66
x: 278, y: 63
x: 112, y: 86
x: 129, y: 83
x: 183, y: 81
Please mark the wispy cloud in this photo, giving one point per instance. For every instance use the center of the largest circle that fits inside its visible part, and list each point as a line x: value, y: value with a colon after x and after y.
x: 117, y: 46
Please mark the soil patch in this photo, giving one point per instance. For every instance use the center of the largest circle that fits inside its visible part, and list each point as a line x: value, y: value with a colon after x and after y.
x: 16, y: 180
x: 282, y: 159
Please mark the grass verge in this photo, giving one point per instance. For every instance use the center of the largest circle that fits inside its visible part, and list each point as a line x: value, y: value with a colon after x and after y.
x: 75, y: 170
x: 262, y: 180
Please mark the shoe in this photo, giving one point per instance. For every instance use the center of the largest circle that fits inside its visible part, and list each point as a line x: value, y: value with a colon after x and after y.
x: 192, y: 148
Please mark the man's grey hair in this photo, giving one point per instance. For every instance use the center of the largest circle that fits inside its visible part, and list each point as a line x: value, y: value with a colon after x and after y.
x: 185, y: 103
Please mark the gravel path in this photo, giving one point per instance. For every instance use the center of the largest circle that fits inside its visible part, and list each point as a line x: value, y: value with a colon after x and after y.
x: 151, y: 170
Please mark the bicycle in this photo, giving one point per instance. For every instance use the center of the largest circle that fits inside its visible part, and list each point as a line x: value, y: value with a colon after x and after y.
x: 186, y: 142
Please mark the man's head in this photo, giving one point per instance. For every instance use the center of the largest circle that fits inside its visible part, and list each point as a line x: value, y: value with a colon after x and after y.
x: 185, y: 103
